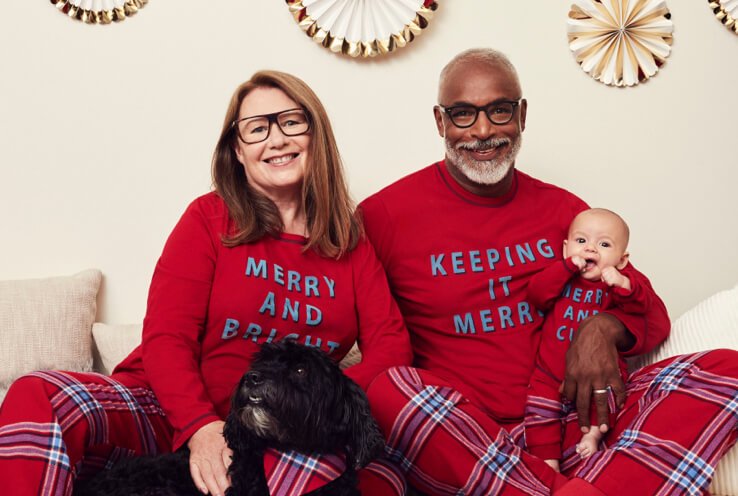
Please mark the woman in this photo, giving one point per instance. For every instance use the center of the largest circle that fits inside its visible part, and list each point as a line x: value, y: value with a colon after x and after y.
x: 273, y: 253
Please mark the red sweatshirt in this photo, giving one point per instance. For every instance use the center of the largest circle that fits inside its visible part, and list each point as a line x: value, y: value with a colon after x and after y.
x: 459, y: 266
x: 210, y: 308
x: 568, y: 299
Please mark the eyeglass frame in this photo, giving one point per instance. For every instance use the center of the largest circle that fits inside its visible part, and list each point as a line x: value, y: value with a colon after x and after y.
x: 271, y: 119
x: 447, y: 110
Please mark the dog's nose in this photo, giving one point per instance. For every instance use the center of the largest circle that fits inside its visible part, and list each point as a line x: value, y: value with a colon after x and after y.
x: 253, y: 377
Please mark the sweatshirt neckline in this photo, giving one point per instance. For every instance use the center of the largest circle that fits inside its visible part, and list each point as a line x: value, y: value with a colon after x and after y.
x: 291, y: 238
x: 469, y: 197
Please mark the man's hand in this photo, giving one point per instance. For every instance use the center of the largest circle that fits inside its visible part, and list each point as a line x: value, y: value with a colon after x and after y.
x: 209, y: 459
x: 612, y: 277
x: 592, y: 363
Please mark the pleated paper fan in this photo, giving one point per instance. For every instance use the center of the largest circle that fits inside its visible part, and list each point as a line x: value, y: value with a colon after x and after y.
x: 362, y: 27
x: 99, y: 11
x: 620, y: 42
x: 727, y: 12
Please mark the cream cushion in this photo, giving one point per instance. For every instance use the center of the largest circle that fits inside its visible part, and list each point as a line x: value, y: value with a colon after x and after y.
x: 46, y: 324
x: 713, y: 323
x: 113, y: 343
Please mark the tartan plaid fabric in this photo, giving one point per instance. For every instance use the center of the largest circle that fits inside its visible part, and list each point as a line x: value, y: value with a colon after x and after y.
x: 292, y: 473
x: 386, y: 479
x: 50, y: 421
x: 474, y: 455
x: 546, y: 420
x: 679, y: 419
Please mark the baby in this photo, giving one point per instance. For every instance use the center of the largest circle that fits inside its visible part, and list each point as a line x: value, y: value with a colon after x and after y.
x: 591, y: 278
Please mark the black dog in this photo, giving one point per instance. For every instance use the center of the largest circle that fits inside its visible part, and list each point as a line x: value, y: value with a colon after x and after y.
x: 292, y: 398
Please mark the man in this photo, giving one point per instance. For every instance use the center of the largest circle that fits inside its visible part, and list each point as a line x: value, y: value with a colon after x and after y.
x: 459, y: 241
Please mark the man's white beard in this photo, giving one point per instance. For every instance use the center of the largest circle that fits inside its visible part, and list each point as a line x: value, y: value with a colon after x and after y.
x: 484, y: 171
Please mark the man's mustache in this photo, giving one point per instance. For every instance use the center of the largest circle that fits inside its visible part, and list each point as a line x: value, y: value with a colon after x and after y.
x: 483, y: 144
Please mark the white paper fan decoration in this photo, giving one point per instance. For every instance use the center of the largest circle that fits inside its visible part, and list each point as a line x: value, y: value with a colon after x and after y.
x: 620, y: 42
x: 99, y: 11
x: 362, y: 27
x: 727, y: 12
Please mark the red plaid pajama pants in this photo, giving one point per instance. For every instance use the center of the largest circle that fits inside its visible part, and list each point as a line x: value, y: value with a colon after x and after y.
x: 680, y: 417
x: 57, y: 426
x: 51, y: 421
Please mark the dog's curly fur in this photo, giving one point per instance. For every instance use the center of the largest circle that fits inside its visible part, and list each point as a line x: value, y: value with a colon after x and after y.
x: 292, y: 398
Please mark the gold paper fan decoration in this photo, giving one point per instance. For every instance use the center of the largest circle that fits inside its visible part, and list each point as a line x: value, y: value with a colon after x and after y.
x: 620, y: 42
x: 365, y: 28
x: 727, y: 12
x: 99, y: 11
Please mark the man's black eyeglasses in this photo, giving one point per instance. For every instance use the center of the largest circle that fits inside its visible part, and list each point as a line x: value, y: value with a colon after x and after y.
x: 256, y: 128
x: 465, y: 115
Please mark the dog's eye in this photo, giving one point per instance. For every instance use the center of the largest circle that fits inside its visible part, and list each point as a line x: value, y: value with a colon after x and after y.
x: 301, y: 371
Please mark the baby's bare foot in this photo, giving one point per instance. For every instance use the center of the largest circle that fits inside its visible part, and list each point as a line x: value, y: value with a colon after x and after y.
x: 589, y: 443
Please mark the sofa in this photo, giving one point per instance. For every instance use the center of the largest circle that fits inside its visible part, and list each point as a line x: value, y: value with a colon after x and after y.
x: 50, y: 324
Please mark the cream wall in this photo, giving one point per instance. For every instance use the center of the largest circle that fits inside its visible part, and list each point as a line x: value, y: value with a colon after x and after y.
x: 106, y: 132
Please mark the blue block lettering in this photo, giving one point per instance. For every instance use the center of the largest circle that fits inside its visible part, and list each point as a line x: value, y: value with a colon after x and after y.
x: 493, y: 256
x: 525, y: 253
x: 311, y: 285
x: 505, y: 321
x: 457, y: 263
x: 291, y: 310
x: 314, y: 315
x: 252, y: 269
x: 254, y: 330
x: 475, y: 261
x: 230, y: 329
x: 278, y: 275
x: 331, y: 283
x: 269, y: 306
x: 545, y: 249
x: 293, y: 280
x: 436, y: 267
x: 487, y: 326
x: 466, y: 325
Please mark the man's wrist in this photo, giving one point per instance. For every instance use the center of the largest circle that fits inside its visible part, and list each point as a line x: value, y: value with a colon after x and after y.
x: 616, y: 332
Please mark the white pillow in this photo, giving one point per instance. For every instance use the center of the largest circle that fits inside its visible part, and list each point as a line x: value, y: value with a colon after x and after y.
x: 713, y: 323
x: 113, y: 343
x: 46, y: 323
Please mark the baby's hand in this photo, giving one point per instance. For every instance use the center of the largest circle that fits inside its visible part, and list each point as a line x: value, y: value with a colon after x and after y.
x: 580, y: 262
x: 612, y: 277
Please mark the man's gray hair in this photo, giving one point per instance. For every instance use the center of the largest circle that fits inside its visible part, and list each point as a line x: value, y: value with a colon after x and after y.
x: 488, y: 56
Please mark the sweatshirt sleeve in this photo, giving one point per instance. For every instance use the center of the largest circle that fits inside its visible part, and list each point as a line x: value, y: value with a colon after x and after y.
x: 383, y: 339
x: 546, y: 286
x: 378, y: 227
x: 175, y: 321
x: 642, y: 312
x: 635, y: 300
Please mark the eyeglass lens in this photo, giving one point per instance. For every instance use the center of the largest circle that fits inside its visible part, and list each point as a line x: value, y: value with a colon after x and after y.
x: 291, y: 123
x: 498, y: 113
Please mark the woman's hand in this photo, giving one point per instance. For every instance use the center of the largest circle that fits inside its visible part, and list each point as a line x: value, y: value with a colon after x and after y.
x: 209, y: 459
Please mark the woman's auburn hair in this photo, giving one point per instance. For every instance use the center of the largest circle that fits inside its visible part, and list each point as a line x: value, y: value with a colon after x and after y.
x: 332, y: 226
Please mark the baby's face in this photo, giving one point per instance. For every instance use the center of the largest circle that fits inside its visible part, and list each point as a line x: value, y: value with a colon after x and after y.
x: 600, y: 238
